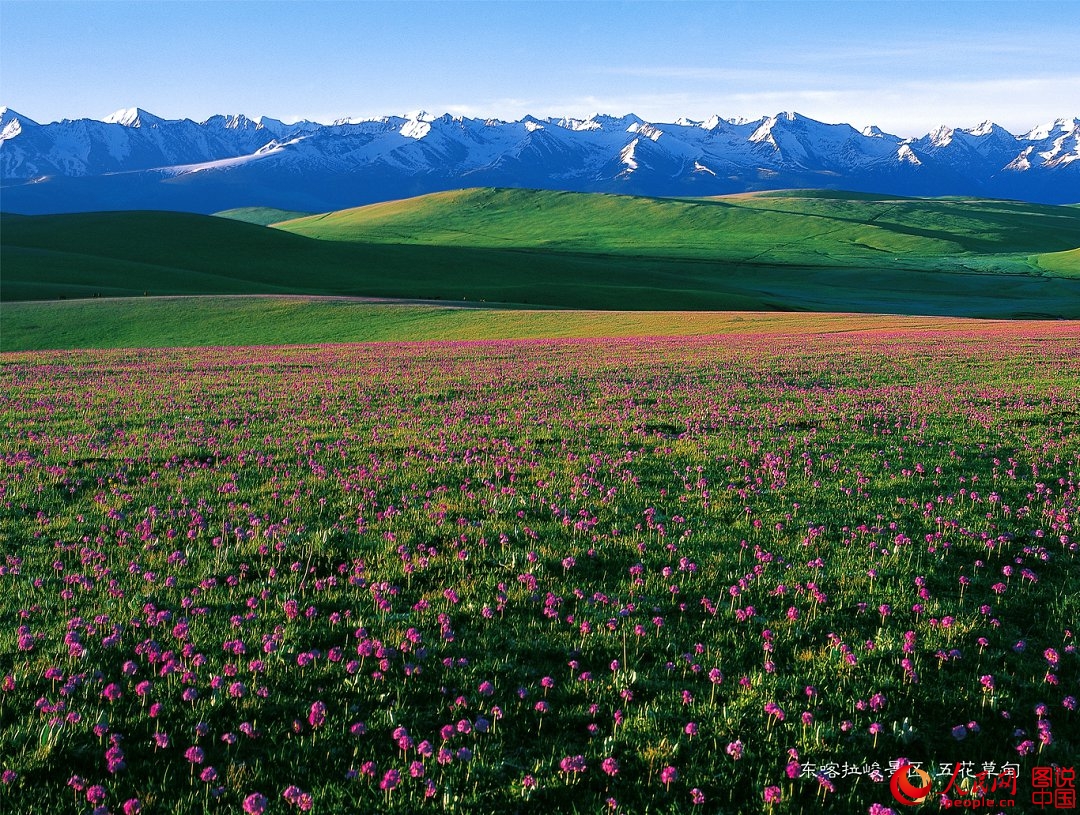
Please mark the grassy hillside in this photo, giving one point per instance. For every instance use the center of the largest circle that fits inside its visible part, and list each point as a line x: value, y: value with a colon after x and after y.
x: 158, y: 322
x: 790, y: 252
x: 263, y: 216
x: 1065, y: 263
x: 809, y: 229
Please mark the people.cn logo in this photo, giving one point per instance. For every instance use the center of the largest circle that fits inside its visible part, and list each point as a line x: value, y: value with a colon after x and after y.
x: 904, y: 790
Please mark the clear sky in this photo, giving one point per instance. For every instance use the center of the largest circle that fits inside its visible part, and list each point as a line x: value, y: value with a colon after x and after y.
x: 905, y: 66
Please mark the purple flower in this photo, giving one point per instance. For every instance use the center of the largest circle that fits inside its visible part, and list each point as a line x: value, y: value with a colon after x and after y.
x: 317, y: 715
x: 668, y: 775
x: 772, y: 794
x: 573, y: 764
x: 255, y: 804
x: 114, y: 759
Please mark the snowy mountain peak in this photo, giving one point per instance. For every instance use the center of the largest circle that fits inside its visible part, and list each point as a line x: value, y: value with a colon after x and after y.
x: 907, y: 156
x: 604, y: 121
x: 417, y: 124
x: 415, y: 128
x: 941, y: 137
x: 645, y: 129
x: 309, y: 166
x: 132, y: 117
x: 12, y: 122
x: 764, y: 132
x: 983, y: 129
x: 1022, y: 162
x: 579, y: 124
x: 1049, y: 129
x: 7, y: 115
x: 239, y: 120
x: 235, y: 122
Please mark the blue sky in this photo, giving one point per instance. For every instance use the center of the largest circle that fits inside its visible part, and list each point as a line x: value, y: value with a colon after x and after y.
x: 905, y: 66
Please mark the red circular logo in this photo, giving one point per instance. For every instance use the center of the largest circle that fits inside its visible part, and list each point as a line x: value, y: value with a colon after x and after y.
x: 904, y: 791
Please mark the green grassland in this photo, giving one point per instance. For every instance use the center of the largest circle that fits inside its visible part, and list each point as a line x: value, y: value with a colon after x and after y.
x: 686, y: 575
x: 1065, y: 263
x: 160, y: 322
x: 263, y: 216
x: 792, y: 251
x: 804, y: 229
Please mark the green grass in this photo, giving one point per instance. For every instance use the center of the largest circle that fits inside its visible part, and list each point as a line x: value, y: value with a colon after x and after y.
x: 218, y: 321
x: 847, y: 547
x: 790, y: 252
x: 1065, y: 263
x: 263, y: 216
x: 802, y: 229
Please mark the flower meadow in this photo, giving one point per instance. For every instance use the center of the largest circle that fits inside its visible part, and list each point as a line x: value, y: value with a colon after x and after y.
x: 640, y: 576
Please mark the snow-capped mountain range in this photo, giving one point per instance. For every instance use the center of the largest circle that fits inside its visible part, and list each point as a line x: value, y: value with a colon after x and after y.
x: 135, y: 160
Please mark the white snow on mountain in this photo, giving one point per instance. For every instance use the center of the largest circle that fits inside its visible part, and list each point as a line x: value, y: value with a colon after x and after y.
x: 942, y: 136
x: 1045, y: 131
x: 626, y: 156
x: 133, y: 117
x: 307, y: 165
x: 907, y: 156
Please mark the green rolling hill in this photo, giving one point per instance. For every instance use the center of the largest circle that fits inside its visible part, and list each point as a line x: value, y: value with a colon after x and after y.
x: 798, y: 228
x: 263, y: 216
x: 795, y: 251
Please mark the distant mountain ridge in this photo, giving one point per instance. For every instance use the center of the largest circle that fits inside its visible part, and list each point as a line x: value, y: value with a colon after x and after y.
x: 135, y: 160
